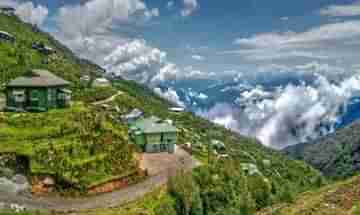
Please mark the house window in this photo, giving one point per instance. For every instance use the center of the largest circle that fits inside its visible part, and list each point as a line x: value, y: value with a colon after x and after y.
x: 19, y: 96
x: 61, y: 96
x: 50, y: 95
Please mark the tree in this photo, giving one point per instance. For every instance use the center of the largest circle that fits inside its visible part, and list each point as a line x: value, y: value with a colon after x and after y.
x: 165, y: 208
x: 186, y: 194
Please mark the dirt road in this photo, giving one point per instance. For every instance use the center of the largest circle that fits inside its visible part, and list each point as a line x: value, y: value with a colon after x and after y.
x: 108, y: 200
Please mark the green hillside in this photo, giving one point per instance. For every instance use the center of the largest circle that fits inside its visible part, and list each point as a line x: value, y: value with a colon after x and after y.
x: 67, y: 142
x: 336, y: 155
x: 342, y: 198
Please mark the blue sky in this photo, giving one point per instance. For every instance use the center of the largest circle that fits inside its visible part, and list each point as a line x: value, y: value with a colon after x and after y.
x: 213, y: 26
x: 205, y: 39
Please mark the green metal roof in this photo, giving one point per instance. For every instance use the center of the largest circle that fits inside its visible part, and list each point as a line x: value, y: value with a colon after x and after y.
x: 154, y: 125
x: 38, y: 78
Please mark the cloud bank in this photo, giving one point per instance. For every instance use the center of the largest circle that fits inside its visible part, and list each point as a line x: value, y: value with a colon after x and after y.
x: 170, y: 95
x: 342, y: 10
x: 288, y: 115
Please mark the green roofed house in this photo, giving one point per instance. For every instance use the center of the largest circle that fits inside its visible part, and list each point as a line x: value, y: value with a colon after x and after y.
x: 37, y: 90
x: 154, y: 135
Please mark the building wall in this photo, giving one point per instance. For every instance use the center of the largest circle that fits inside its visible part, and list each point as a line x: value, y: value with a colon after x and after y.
x: 169, y: 137
x: 153, y: 138
x: 140, y: 139
x: 160, y: 142
x: 36, y: 99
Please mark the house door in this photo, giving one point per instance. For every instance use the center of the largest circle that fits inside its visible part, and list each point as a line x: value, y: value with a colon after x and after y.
x: 163, y: 148
x: 34, y: 98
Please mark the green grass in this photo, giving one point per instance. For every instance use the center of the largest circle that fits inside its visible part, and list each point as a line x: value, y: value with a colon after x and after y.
x: 30, y: 133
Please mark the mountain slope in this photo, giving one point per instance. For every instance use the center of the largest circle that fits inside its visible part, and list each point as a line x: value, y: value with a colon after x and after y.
x: 336, y: 155
x: 336, y: 199
x: 246, y: 162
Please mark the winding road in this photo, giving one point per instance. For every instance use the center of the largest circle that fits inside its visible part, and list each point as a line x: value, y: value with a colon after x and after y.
x: 107, y: 200
x: 110, y: 99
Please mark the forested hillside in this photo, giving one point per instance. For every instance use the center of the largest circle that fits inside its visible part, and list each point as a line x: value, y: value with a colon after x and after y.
x: 336, y: 155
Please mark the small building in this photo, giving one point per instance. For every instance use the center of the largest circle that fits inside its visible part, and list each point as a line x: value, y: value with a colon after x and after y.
x: 10, y: 11
x: 134, y: 115
x: 5, y: 36
x: 177, y: 109
x: 85, y: 78
x: 218, y: 146
x: 38, y: 90
x: 153, y: 135
x: 101, y: 82
x: 42, y: 48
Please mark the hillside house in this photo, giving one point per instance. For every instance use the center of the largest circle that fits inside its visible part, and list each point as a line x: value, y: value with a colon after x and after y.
x: 10, y: 11
x: 38, y: 90
x: 134, y: 115
x: 154, y: 135
x: 42, y: 48
x: 5, y: 36
x: 177, y: 109
x: 101, y: 82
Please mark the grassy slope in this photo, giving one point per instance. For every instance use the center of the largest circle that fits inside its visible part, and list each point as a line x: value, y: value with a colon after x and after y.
x: 277, y: 169
x: 342, y: 198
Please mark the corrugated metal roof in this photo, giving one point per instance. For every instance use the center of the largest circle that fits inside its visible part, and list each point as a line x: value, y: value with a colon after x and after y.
x: 6, y: 33
x: 154, y: 125
x: 38, y: 78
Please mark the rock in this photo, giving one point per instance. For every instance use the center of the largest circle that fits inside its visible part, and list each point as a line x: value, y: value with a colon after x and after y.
x: 250, y: 169
x: 19, y: 179
x: 48, y: 181
x: 188, y: 145
x: 6, y: 172
x: 7, y: 186
x: 17, y: 208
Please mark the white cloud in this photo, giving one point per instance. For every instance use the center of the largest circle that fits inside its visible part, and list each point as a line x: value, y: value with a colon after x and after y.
x: 341, y: 10
x: 138, y: 61
x: 170, y: 5
x: 152, y: 13
x: 331, y: 44
x: 98, y: 16
x: 27, y: 11
x: 190, y: 6
x: 8, y: 3
x: 288, y: 115
x: 90, y: 30
x: 198, y: 57
x: 192, y: 73
x: 203, y: 96
x: 170, y: 95
x: 32, y: 14
x: 319, y: 68
x: 336, y: 31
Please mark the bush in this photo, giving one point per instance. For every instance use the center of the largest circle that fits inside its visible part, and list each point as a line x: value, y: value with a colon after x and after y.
x: 165, y: 208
